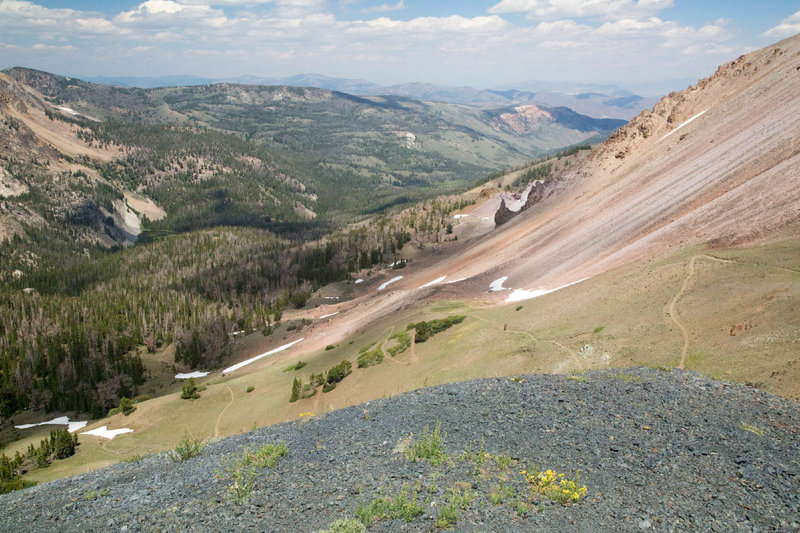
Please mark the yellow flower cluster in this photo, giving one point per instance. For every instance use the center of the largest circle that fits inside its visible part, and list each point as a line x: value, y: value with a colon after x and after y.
x: 555, y: 486
x: 306, y: 414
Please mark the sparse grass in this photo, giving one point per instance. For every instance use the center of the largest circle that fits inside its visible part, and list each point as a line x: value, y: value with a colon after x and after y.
x: 752, y: 429
x: 345, y: 525
x: 623, y: 376
x: 598, y: 329
x: 404, y: 505
x: 92, y: 495
x: 429, y: 447
x: 500, y: 494
x: 186, y: 449
x: 579, y: 379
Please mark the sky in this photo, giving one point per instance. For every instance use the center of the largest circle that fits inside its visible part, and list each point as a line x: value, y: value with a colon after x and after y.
x: 656, y: 44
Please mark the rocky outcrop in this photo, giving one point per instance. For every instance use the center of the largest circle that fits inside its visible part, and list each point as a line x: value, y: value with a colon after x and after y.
x: 535, y: 195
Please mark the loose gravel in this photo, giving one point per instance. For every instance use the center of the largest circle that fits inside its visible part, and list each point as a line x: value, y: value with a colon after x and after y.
x: 657, y: 450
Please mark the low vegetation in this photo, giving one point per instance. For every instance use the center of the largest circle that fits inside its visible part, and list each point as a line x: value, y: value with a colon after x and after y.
x: 425, y: 330
x: 187, y: 448
x: 242, y: 471
x: 59, y: 445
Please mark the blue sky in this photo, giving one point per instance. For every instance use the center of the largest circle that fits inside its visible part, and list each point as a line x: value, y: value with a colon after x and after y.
x: 659, y: 44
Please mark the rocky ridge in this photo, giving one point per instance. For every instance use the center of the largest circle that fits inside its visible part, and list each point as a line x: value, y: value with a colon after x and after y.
x: 658, y: 450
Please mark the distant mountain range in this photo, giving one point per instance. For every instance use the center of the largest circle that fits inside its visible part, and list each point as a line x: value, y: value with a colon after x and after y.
x: 600, y: 101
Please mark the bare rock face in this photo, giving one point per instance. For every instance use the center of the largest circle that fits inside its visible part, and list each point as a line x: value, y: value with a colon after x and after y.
x: 536, y: 194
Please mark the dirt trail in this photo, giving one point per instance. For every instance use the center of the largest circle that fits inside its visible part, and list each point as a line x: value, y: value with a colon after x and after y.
x: 671, y: 312
x: 216, y: 426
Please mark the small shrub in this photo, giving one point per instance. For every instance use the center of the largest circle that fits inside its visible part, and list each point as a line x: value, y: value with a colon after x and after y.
x: 339, y: 372
x: 598, y: 329
x: 448, y: 515
x: 142, y: 398
x: 296, y: 366
x: 125, y: 407
x: 93, y: 495
x: 251, y: 388
x: 519, y: 308
x: 429, y: 447
x: 328, y: 387
x: 186, y: 449
x: 329, y: 347
x: 190, y: 390
x: 499, y: 494
x: 267, y: 455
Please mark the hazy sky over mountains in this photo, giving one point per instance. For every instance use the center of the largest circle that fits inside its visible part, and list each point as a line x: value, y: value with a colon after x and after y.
x: 482, y: 44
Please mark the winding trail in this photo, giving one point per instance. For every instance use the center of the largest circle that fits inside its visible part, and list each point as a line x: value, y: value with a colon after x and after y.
x: 216, y: 426
x: 671, y: 311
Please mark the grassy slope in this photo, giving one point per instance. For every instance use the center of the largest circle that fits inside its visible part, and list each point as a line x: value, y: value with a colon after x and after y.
x: 756, y: 287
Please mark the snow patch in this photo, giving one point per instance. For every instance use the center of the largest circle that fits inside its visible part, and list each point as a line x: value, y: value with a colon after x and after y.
x: 682, y: 125
x: 68, y: 110
x: 72, y: 427
x: 196, y: 374
x: 455, y: 281
x: 106, y: 433
x: 237, y: 332
x: 434, y: 282
x: 237, y: 366
x: 396, y: 278
x: 328, y: 315
x: 359, y: 280
x: 497, y: 285
x: 519, y: 295
x: 460, y: 216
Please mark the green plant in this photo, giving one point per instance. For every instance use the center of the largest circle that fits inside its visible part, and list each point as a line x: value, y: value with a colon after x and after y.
x: 404, y: 505
x: 329, y: 347
x: 403, y: 343
x: 125, y: 407
x: 296, y: 366
x: 500, y: 493
x: 243, y: 477
x: 267, y: 455
x: 251, y: 388
x: 345, y: 525
x: 371, y: 358
x: 338, y: 372
x: 521, y: 508
x: 448, y: 515
x: 190, y: 390
x: 555, y: 486
x: 426, y: 330
x: 579, y: 379
x: 296, y: 384
x: 519, y: 307
x: 186, y: 449
x: 93, y: 495
x: 429, y: 447
x: 598, y: 329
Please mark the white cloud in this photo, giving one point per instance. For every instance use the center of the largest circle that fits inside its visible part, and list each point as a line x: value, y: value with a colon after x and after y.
x: 788, y: 26
x: 388, y: 7
x: 558, y: 9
